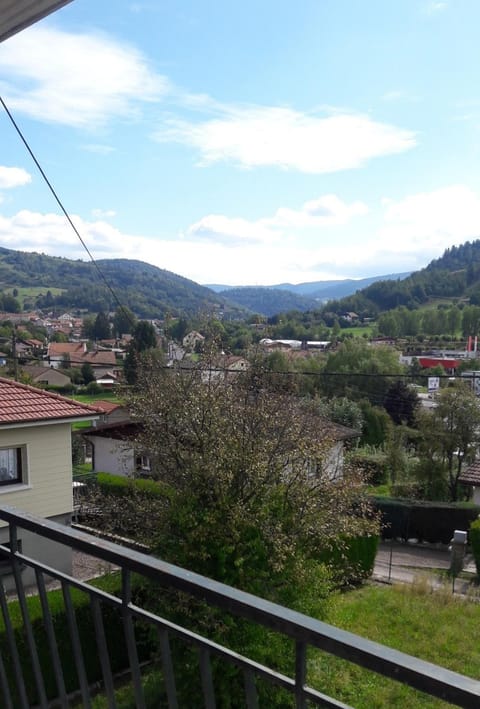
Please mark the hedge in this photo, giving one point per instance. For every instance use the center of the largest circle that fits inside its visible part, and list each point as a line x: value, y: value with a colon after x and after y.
x: 355, y: 556
x: 114, y: 632
x: 475, y: 542
x: 426, y: 521
x: 121, y: 485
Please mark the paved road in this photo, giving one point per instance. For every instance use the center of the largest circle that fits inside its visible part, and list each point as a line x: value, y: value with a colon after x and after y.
x: 406, y: 563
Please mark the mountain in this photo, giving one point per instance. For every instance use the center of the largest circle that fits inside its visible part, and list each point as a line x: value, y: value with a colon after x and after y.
x: 268, y: 301
x: 455, y: 275
x: 147, y: 290
x: 318, y: 290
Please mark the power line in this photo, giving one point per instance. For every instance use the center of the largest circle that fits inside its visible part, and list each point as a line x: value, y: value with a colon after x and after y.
x: 63, y: 209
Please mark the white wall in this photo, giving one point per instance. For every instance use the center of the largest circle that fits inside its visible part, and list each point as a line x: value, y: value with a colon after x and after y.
x: 46, y: 489
x: 112, y: 456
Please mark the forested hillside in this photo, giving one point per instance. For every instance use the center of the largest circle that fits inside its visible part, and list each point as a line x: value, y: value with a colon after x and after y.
x: 147, y: 290
x: 268, y: 301
x: 456, y: 274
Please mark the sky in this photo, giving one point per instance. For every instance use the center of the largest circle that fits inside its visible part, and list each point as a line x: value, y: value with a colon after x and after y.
x: 246, y: 143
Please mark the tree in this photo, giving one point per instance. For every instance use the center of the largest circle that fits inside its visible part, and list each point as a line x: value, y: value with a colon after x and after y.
x: 401, y: 403
x: 102, y: 329
x: 451, y: 432
x: 356, y: 370
x: 124, y: 321
x: 87, y: 373
x: 250, y: 501
x: 144, y: 339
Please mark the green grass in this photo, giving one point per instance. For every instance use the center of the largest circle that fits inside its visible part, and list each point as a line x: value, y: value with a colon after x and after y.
x: 101, y: 396
x: 432, y: 626
x: 34, y: 292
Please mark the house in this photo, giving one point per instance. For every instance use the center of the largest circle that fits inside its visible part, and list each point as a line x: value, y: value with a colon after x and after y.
x: 36, y: 461
x: 114, y: 451
x: 59, y: 352
x: 111, y: 442
x: 471, y: 478
x: 47, y: 376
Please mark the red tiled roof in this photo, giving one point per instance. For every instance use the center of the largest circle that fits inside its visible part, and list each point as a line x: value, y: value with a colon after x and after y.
x: 60, y: 348
x: 108, y: 406
x: 20, y: 403
x: 100, y: 357
x: 471, y: 476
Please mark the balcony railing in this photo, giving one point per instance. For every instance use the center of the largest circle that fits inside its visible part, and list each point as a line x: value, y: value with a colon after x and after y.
x: 21, y: 665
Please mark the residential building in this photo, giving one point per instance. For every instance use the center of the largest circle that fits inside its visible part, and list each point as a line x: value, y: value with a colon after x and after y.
x: 36, y: 460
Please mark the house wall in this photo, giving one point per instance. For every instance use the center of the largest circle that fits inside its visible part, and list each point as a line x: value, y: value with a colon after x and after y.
x: 334, y: 459
x: 50, y: 553
x: 47, y: 487
x: 46, y: 491
x: 112, y: 456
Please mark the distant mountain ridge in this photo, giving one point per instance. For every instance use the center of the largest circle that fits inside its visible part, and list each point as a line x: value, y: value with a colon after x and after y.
x: 284, y: 297
x: 150, y: 292
x: 453, y: 276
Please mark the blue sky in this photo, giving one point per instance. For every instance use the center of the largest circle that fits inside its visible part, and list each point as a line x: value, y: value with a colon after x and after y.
x: 246, y: 143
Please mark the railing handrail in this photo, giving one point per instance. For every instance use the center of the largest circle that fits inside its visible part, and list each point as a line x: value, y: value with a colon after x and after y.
x: 395, y: 664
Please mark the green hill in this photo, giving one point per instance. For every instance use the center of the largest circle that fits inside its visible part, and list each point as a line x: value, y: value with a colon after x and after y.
x: 147, y: 290
x: 453, y: 276
x: 268, y: 301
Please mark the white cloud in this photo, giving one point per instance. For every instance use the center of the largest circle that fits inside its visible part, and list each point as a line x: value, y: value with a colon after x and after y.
x: 283, y: 137
x: 432, y: 221
x: 324, y: 238
x: 13, y: 177
x: 103, y: 213
x: 435, y: 6
x: 327, y: 210
x: 98, y: 148
x: 75, y: 79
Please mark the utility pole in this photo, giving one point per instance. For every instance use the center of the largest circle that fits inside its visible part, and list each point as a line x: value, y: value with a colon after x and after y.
x: 14, y: 355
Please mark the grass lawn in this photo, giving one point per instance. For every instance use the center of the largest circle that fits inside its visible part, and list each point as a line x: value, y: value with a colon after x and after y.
x: 433, y: 626
x: 33, y: 292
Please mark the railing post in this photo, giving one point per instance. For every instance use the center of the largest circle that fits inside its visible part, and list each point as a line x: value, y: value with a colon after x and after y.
x: 300, y: 674
x: 130, y: 638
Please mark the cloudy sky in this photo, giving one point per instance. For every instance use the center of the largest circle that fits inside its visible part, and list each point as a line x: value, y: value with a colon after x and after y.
x: 252, y: 142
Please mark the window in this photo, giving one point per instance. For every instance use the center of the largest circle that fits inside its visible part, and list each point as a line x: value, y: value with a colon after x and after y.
x: 142, y: 463
x: 10, y: 466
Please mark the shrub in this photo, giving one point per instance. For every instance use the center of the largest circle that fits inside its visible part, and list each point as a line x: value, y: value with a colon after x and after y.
x: 355, y: 556
x: 373, y: 465
x: 474, y: 536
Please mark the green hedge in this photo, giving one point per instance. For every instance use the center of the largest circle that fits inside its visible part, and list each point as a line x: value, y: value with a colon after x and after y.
x: 475, y: 542
x: 83, y: 613
x: 121, y: 485
x: 374, y: 466
x: 426, y: 521
x: 355, y: 556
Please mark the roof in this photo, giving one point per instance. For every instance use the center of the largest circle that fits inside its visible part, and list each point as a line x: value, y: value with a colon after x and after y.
x: 20, y: 403
x: 103, y: 357
x: 116, y: 431
x: 16, y: 15
x: 108, y: 406
x: 61, y: 348
x: 338, y: 432
x: 471, y: 476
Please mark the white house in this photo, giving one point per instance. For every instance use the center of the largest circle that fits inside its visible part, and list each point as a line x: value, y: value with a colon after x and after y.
x: 36, y: 462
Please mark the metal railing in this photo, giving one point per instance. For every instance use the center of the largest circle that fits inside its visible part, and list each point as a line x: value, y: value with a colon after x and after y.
x: 17, y: 663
